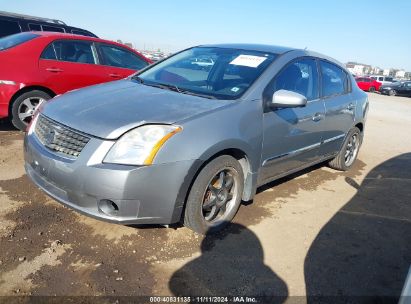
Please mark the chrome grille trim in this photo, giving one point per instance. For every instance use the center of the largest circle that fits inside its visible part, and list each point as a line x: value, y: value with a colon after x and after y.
x: 59, y: 138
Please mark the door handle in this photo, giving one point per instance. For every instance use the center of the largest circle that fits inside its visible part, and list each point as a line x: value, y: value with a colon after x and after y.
x: 115, y: 75
x: 54, y: 70
x: 350, y: 107
x: 317, y: 117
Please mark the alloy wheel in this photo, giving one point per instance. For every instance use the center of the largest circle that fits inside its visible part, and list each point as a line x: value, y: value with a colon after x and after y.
x: 28, y: 107
x: 220, y: 196
x: 352, y: 148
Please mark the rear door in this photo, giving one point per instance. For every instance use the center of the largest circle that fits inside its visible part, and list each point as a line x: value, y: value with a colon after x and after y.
x: 119, y: 62
x: 339, y: 106
x: 71, y: 64
x: 292, y: 136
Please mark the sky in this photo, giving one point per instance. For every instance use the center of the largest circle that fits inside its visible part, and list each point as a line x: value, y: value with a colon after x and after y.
x: 367, y: 31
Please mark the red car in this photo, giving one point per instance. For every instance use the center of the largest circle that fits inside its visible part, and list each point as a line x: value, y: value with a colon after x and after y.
x: 368, y: 84
x: 35, y: 66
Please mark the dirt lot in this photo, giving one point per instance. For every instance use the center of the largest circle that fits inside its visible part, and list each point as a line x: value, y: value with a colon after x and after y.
x: 320, y: 232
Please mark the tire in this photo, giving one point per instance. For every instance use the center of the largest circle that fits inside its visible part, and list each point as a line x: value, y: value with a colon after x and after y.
x: 23, y: 107
x: 340, y: 162
x: 392, y: 92
x: 206, y: 211
x: 371, y: 90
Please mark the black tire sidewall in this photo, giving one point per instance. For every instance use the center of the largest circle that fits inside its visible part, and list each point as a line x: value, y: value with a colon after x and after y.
x: 344, y: 147
x: 193, y: 216
x: 17, y: 102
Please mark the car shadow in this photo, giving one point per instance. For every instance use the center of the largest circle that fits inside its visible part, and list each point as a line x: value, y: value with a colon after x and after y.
x: 5, y: 125
x: 231, y: 264
x: 362, y: 255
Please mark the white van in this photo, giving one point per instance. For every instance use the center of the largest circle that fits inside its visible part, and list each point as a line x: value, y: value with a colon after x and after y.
x: 383, y: 79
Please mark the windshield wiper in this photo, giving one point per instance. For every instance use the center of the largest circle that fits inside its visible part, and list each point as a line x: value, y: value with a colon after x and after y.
x: 172, y: 87
x: 197, y: 94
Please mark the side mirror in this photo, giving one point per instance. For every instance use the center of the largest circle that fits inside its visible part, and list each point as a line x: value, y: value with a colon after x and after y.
x: 287, y: 99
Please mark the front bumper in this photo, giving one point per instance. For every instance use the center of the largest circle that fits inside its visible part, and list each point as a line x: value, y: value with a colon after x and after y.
x: 144, y: 195
x: 384, y: 91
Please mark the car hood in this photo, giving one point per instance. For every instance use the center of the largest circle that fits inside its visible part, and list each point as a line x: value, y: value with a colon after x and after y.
x: 111, y: 109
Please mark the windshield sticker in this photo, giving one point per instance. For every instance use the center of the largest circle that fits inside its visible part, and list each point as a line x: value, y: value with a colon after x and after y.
x: 235, y: 89
x: 248, y: 60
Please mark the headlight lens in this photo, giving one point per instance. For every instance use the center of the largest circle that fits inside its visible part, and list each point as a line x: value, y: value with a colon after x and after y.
x: 140, y: 146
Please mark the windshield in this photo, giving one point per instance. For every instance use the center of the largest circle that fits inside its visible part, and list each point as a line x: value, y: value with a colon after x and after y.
x: 221, y: 73
x: 16, y: 39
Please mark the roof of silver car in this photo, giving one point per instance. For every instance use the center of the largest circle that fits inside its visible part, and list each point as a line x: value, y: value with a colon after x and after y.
x: 254, y: 47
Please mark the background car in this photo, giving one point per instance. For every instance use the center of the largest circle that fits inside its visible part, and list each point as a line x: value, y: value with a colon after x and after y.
x: 35, y: 66
x: 383, y: 79
x: 11, y: 23
x: 397, y: 88
x: 367, y: 84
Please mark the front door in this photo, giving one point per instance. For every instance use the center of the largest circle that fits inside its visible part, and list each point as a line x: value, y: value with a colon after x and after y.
x: 120, y: 62
x: 292, y: 136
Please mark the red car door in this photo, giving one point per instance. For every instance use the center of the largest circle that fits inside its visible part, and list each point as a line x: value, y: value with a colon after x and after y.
x: 71, y: 64
x: 362, y: 84
x: 120, y: 62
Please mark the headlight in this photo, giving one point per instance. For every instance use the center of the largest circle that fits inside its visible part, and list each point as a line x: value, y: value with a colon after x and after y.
x: 139, y: 146
x: 32, y: 125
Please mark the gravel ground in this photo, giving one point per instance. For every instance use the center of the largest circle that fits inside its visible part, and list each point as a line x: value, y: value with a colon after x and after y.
x: 319, y: 232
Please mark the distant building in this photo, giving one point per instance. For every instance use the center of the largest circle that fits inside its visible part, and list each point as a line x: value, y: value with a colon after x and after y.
x: 355, y: 68
x: 129, y: 44
x: 386, y: 72
x: 400, y: 74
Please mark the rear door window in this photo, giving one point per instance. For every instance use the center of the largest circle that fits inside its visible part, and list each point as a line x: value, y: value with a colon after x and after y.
x: 333, y: 79
x: 121, y: 58
x: 49, y: 53
x: 9, y: 27
x: 71, y: 51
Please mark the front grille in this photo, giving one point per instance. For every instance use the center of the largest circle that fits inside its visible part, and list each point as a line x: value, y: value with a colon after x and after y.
x: 59, y: 138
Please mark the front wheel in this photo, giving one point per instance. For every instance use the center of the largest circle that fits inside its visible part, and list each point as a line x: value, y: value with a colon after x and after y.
x: 215, y: 195
x: 24, y: 107
x: 392, y: 92
x: 372, y: 90
x: 349, y: 151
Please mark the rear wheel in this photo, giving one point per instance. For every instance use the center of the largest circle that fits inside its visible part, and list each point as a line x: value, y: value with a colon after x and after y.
x: 349, y: 151
x: 372, y: 89
x: 215, y: 196
x: 392, y: 92
x: 24, y: 107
